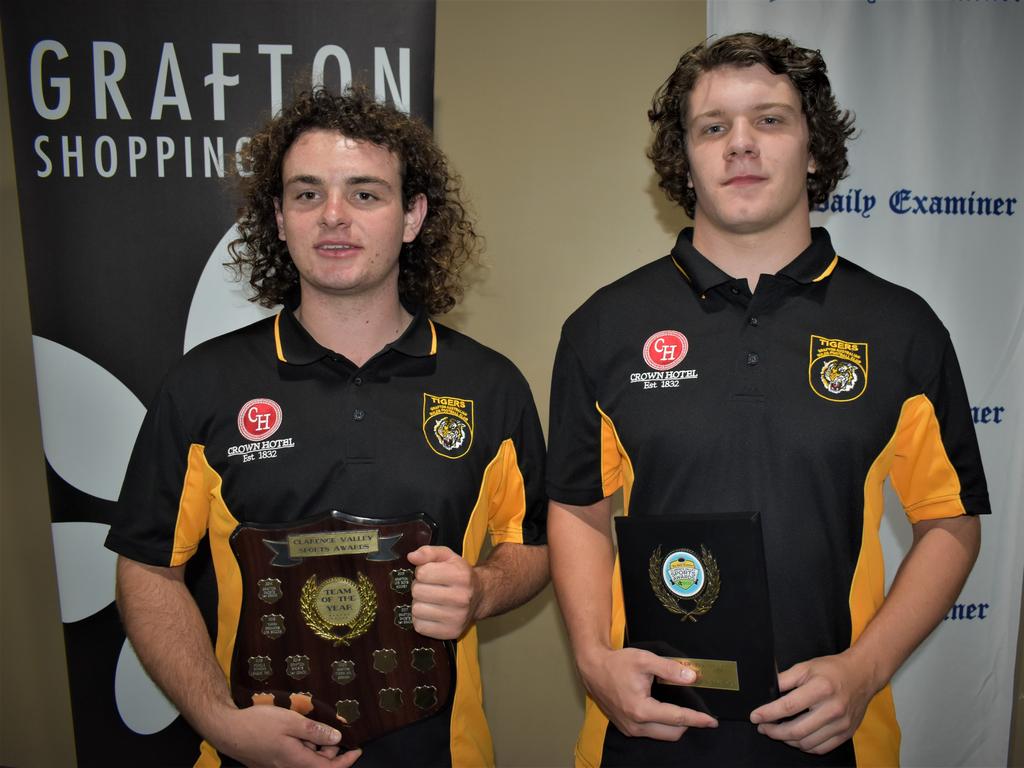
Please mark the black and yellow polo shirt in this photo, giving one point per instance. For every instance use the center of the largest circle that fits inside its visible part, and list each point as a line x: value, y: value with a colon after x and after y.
x: 264, y: 425
x: 679, y: 386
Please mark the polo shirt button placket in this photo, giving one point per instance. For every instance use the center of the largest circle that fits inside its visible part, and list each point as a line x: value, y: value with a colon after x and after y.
x: 358, y: 414
x: 753, y: 358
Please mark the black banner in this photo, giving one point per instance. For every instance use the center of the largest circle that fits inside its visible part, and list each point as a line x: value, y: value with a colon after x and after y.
x: 125, y: 120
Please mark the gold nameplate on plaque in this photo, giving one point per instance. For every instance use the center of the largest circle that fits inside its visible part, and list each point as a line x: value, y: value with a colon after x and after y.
x: 714, y: 673
x: 331, y: 543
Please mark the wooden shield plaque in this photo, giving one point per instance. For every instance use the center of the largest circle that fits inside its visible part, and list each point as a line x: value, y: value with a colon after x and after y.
x: 326, y: 624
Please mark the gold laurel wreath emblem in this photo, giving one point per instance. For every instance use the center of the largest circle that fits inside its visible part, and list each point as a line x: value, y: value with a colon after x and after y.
x: 704, y: 600
x: 322, y: 628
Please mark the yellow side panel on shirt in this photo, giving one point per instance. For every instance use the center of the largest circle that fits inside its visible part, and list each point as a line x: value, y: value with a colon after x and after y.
x: 923, y: 477
x: 500, y: 507
x: 616, y: 472
x: 202, y: 507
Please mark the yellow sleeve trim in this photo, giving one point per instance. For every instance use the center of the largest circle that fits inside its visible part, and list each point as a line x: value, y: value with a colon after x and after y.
x: 922, y: 474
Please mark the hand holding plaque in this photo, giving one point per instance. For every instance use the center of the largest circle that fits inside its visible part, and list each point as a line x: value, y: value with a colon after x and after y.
x: 326, y: 626
x: 696, y: 590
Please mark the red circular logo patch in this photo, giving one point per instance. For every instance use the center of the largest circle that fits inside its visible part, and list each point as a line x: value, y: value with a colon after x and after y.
x: 665, y: 349
x: 259, y: 419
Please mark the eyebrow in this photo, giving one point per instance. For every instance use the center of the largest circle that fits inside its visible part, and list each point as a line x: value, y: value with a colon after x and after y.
x: 353, y: 181
x: 767, y: 106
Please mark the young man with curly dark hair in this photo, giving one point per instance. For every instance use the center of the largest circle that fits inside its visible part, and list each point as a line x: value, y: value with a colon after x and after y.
x: 753, y: 369
x: 351, y: 398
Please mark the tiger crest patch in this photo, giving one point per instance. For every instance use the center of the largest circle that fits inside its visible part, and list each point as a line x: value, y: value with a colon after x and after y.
x: 448, y: 425
x: 838, y: 370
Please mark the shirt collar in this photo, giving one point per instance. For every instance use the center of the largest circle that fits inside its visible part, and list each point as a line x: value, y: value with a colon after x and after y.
x: 813, y: 264
x: 296, y: 347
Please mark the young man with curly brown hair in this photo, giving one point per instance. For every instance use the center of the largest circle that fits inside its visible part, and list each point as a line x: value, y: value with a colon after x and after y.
x: 353, y: 221
x: 753, y: 369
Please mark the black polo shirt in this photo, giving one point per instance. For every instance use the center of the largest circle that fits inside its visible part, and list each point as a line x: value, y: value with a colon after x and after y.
x: 264, y: 425
x: 679, y: 386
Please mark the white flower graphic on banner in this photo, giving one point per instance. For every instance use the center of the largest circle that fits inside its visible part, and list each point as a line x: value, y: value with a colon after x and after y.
x: 220, y: 303
x: 89, y: 423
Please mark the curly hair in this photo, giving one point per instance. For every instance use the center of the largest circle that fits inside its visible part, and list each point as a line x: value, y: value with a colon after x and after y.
x: 430, y: 267
x: 829, y: 127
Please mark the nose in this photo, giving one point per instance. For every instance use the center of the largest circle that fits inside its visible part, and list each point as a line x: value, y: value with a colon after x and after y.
x: 741, y: 140
x: 335, y: 211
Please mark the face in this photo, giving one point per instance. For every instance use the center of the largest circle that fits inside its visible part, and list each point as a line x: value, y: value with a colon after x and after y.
x: 747, y: 143
x: 341, y: 215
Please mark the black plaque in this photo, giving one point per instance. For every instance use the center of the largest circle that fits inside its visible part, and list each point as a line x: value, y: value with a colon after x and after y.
x: 695, y: 588
x: 337, y: 615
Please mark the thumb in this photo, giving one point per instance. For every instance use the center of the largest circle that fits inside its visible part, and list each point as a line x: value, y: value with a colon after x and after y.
x: 430, y: 554
x: 673, y: 671
x: 318, y: 733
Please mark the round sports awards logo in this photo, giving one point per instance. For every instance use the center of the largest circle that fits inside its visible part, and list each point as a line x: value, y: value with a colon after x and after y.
x: 259, y: 419
x: 683, y: 573
x: 665, y: 350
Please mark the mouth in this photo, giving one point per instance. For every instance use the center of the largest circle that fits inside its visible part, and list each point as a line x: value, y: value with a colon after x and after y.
x: 744, y: 181
x: 336, y: 249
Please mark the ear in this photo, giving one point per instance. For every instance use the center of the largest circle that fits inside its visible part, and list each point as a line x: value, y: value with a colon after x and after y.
x: 279, y: 217
x: 414, y: 217
x: 812, y: 166
x: 689, y: 181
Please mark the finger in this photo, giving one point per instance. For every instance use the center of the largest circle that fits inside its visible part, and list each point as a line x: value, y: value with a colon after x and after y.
x: 434, y: 612
x: 658, y: 731
x: 435, y: 593
x: 793, y: 703
x: 430, y: 554
x: 330, y: 751
x: 829, y: 745
x: 439, y: 630
x: 793, y: 677
x: 791, y: 731
x: 653, y: 711
x: 345, y: 759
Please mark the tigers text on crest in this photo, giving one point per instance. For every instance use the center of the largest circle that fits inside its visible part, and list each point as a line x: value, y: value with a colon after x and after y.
x: 448, y: 425
x: 837, y: 370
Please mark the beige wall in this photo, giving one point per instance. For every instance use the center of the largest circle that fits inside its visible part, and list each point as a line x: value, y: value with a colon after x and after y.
x: 541, y: 106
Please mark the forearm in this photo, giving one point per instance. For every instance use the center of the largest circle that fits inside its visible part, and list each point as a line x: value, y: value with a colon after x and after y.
x: 511, y: 575
x: 926, y: 584
x: 582, y: 562
x: 168, y: 634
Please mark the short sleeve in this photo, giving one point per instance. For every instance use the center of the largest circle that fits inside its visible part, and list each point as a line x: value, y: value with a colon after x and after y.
x: 937, y: 470
x: 518, y: 505
x: 574, y: 473
x: 160, y: 517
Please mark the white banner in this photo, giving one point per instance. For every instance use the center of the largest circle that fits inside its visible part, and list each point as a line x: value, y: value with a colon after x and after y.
x: 935, y: 202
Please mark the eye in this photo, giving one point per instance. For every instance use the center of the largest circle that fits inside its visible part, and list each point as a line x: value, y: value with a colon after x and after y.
x: 306, y: 194
x: 365, y: 197
x: 771, y: 120
x: 712, y: 130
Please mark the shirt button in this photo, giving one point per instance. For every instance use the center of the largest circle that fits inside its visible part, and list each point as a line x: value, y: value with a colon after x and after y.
x: 753, y: 321
x: 358, y: 381
x: 358, y: 414
x: 734, y: 291
x: 752, y: 358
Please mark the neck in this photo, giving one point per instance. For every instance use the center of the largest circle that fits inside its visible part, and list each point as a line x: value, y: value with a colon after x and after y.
x: 357, y: 327
x: 751, y: 255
